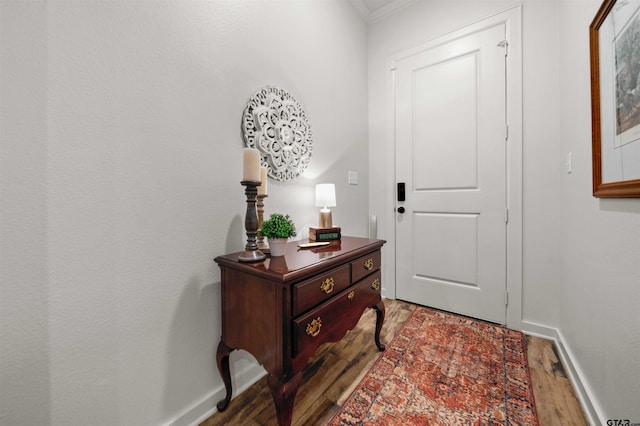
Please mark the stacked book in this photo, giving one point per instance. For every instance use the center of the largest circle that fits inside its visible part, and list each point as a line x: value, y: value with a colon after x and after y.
x: 324, y: 234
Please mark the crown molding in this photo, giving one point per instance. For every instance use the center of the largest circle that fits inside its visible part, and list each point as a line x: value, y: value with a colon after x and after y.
x: 362, y: 10
x: 382, y: 13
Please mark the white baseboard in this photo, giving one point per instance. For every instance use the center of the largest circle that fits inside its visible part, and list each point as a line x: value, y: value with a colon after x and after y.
x: 592, y: 410
x: 538, y: 330
x: 583, y: 391
x: 203, y: 409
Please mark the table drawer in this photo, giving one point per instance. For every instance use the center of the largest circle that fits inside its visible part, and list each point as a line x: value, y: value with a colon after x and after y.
x: 331, y: 320
x: 312, y: 292
x: 365, y: 265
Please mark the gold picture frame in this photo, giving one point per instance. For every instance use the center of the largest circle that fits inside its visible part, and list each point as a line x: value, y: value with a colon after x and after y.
x: 615, y: 99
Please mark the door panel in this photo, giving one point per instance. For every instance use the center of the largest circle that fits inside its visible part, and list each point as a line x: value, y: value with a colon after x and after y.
x: 452, y: 252
x: 441, y: 164
x: 450, y: 105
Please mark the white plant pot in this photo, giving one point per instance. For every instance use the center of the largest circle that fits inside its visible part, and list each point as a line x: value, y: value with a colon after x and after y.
x: 277, y: 246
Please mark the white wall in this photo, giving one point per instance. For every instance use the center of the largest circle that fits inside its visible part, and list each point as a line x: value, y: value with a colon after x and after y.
x: 24, y: 294
x: 600, y: 275
x: 120, y: 170
x: 581, y: 255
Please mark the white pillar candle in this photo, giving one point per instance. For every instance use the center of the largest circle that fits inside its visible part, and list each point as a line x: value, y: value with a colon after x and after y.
x: 262, y: 189
x: 250, y: 164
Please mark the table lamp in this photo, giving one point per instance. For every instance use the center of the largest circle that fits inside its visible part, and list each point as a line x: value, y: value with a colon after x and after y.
x: 325, y: 198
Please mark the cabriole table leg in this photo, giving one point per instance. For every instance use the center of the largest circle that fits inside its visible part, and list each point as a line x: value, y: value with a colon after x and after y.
x: 284, y: 395
x: 380, y: 311
x: 222, y: 358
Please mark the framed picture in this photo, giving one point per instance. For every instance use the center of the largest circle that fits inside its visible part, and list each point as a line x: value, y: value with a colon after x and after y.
x: 615, y: 99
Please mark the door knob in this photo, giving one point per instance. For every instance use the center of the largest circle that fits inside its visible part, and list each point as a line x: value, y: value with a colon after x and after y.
x: 400, y: 209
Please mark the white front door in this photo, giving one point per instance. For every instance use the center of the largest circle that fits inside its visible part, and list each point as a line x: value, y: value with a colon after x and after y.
x: 450, y: 134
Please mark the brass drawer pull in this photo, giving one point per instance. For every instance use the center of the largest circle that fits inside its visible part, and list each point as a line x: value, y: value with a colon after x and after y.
x: 368, y: 265
x: 375, y: 284
x: 313, y: 328
x: 351, y: 295
x: 327, y: 285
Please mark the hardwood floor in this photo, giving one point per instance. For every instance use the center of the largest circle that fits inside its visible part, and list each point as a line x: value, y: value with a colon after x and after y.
x: 340, y: 367
x: 556, y: 401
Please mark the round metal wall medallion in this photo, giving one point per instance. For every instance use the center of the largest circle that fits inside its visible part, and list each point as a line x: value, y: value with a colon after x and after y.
x: 275, y: 123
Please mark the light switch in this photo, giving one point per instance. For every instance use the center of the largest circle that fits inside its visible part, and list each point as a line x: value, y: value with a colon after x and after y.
x: 353, y: 178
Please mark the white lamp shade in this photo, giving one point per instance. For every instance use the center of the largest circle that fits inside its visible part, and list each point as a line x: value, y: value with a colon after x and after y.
x: 325, y: 195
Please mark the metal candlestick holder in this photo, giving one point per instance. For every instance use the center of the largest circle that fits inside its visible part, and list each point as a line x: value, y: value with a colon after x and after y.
x: 251, y: 251
x: 263, y: 246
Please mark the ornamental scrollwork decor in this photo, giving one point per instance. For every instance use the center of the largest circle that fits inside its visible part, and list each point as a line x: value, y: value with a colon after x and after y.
x: 276, y: 125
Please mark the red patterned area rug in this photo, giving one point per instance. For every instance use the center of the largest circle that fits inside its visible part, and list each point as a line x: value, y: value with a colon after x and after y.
x: 445, y: 369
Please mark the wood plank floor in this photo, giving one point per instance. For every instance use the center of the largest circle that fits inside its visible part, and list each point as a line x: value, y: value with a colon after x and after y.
x: 343, y: 364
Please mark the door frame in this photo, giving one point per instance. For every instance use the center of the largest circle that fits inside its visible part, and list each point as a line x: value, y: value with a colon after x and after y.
x: 512, y: 18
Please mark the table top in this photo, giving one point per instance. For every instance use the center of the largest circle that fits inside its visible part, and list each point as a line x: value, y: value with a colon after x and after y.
x: 298, y: 262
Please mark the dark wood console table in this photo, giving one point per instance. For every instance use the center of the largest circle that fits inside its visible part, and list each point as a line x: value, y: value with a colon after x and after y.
x: 283, y: 308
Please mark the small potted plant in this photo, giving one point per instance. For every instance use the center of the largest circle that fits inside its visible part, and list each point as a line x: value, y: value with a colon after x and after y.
x: 278, y: 229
